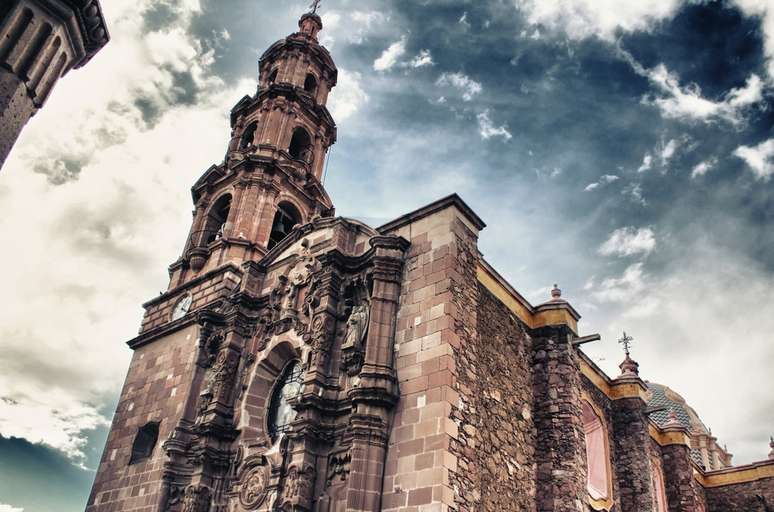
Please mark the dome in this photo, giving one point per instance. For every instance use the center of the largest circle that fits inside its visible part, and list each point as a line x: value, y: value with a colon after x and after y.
x: 663, y: 396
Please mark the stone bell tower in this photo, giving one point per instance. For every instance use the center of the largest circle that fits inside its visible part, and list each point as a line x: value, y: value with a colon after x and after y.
x: 271, y: 178
x: 264, y: 377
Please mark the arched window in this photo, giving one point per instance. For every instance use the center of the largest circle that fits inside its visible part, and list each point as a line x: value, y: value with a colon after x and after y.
x: 288, y: 386
x: 144, y: 442
x: 659, y: 490
x: 300, y: 145
x: 273, y: 76
x: 286, y: 217
x: 216, y: 219
x: 598, y: 475
x: 310, y: 84
x: 248, y: 136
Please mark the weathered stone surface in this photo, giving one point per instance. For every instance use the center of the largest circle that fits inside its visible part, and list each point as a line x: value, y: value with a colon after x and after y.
x: 755, y: 496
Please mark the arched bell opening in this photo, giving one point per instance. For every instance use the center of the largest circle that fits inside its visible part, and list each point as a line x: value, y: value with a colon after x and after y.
x: 217, y: 217
x: 310, y: 84
x: 285, y: 219
x: 273, y: 76
x: 248, y: 136
x: 301, y: 145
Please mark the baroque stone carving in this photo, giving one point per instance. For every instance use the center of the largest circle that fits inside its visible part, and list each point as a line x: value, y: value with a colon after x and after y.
x: 254, y: 488
x: 196, y: 499
x: 299, y: 483
x: 338, y: 468
x: 353, y: 346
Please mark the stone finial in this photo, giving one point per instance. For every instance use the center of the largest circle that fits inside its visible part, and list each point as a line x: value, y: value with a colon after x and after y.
x: 673, y: 421
x: 556, y: 293
x: 629, y: 368
x: 771, y: 445
x: 310, y: 24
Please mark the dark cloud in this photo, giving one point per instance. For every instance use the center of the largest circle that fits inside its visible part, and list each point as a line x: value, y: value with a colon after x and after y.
x: 40, y: 479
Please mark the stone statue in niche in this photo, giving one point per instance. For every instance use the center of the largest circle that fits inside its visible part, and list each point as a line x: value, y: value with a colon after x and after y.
x: 353, y: 347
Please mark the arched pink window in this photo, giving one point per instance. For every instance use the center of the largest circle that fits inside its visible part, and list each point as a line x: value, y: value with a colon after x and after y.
x: 596, y: 453
x: 659, y: 490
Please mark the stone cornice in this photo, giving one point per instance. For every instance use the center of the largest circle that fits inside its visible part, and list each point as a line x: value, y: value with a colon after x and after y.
x: 612, y: 388
x: 92, y: 26
x: 551, y: 313
x: 228, y: 267
x: 449, y: 201
x: 736, y: 475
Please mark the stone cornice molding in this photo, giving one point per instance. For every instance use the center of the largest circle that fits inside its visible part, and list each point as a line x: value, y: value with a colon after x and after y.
x: 736, y: 475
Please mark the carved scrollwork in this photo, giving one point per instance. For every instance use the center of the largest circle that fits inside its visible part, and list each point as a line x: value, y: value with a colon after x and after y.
x: 299, y: 483
x: 254, y: 488
x: 338, y: 468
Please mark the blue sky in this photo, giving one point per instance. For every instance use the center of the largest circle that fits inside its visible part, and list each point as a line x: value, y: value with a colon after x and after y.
x: 625, y: 152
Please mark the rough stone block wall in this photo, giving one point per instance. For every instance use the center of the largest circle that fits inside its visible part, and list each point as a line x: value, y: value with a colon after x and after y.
x: 679, y: 481
x: 604, y: 405
x: 437, y: 314
x: 495, y: 448
x: 156, y: 388
x: 747, y: 497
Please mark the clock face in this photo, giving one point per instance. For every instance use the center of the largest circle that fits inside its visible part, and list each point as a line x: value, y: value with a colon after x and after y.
x: 182, y: 307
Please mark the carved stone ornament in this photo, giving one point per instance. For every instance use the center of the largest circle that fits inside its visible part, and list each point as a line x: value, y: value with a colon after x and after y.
x: 353, y: 348
x: 338, y: 468
x: 196, y: 499
x: 254, y: 488
x: 299, y: 483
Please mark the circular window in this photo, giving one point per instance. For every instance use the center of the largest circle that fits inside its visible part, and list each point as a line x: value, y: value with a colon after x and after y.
x: 181, y: 307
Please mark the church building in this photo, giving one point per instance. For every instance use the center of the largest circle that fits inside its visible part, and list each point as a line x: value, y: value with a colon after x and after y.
x: 305, y: 362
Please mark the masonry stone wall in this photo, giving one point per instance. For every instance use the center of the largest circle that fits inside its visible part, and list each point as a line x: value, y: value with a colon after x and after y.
x: 156, y: 387
x: 679, y: 481
x: 437, y: 314
x: 748, y: 497
x: 496, y: 444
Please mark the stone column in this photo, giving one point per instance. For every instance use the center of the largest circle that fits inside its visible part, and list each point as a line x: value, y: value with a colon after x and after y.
x: 40, y: 41
x: 678, y: 470
x: 632, y: 463
x: 376, y: 390
x: 560, y: 453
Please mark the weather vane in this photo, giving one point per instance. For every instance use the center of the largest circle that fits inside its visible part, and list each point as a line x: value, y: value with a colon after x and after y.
x: 626, y: 341
x: 315, y: 5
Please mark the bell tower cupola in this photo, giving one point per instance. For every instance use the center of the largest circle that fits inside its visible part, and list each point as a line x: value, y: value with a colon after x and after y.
x: 270, y: 181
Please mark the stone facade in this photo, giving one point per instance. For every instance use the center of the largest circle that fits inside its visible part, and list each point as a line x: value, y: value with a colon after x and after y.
x: 310, y: 363
x: 40, y: 41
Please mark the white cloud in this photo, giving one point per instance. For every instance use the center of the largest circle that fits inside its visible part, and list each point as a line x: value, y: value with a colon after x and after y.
x: 759, y: 158
x: 629, y: 241
x: 347, y: 97
x: 702, y: 168
x: 763, y: 9
x: 423, y: 58
x: 487, y: 129
x: 463, y: 83
x: 624, y: 288
x: 603, y: 180
x: 668, y: 151
x: 602, y: 18
x: 687, y: 103
x: 391, y: 55
x: 9, y: 508
x: 647, y: 163
x: 132, y: 144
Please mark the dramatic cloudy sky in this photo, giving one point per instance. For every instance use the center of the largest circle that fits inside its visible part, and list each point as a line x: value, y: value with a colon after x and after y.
x: 624, y: 150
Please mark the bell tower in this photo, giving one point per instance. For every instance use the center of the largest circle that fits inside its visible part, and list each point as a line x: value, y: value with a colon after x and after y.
x: 270, y: 179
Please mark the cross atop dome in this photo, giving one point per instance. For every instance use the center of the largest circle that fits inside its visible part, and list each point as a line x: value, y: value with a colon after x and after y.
x: 315, y: 5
